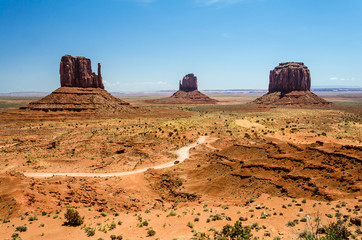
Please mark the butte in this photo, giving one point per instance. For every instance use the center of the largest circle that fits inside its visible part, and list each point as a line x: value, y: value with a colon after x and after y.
x: 289, y: 84
x: 81, y: 90
x: 187, y: 94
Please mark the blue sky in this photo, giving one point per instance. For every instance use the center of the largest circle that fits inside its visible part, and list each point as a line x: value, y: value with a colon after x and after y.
x: 148, y: 45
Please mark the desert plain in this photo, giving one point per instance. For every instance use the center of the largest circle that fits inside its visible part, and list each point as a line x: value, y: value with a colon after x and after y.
x: 279, y: 170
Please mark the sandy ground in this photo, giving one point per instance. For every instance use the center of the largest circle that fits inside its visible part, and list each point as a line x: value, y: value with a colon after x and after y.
x: 182, y: 153
x: 264, y: 166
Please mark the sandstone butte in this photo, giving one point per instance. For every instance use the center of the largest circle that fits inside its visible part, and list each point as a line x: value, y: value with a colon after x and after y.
x: 77, y: 72
x: 187, y: 94
x: 289, y: 84
x: 81, y: 90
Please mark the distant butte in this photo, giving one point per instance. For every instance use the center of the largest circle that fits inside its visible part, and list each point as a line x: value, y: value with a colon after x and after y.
x: 81, y: 90
x: 187, y: 94
x: 289, y: 84
x: 188, y: 83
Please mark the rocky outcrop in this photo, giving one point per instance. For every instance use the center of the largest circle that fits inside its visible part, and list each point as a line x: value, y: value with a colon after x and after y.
x: 189, y: 83
x: 288, y: 77
x: 187, y: 94
x: 289, y: 85
x: 77, y: 72
x: 81, y: 90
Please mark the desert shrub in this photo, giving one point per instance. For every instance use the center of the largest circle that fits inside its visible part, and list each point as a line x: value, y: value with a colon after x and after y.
x: 114, y: 237
x: 33, y: 218
x: 172, y: 214
x: 238, y: 231
x: 334, y: 231
x: 337, y: 230
x: 151, y: 233
x: 190, y: 225
x: 21, y: 228
x: 112, y: 226
x: 90, y: 231
x: 15, y: 236
x: 73, y: 217
x: 290, y: 224
x: 216, y: 217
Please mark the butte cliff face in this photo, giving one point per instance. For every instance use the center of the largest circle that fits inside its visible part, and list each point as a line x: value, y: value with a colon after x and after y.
x: 189, y: 83
x: 289, y: 84
x: 81, y: 90
x: 77, y: 72
x: 288, y: 77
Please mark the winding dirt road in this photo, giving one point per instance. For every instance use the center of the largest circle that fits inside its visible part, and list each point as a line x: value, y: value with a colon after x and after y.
x: 183, y: 154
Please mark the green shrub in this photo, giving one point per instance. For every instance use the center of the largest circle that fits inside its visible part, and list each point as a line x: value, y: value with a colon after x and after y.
x: 337, y: 230
x: 238, y: 231
x: 334, y: 231
x: 33, y: 218
x: 15, y: 236
x: 290, y: 224
x: 190, y: 225
x: 21, y: 228
x: 73, y: 217
x: 90, y: 231
x: 151, y: 233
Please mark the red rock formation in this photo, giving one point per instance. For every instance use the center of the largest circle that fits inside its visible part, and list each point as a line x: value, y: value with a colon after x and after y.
x: 288, y: 77
x: 289, y: 85
x: 188, y: 94
x: 81, y: 90
x: 189, y: 83
x: 77, y: 72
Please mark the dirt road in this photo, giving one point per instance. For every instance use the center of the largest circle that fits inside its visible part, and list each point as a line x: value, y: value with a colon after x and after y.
x: 183, y: 154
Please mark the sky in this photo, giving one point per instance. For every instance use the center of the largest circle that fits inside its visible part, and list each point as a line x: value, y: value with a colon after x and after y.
x: 149, y: 45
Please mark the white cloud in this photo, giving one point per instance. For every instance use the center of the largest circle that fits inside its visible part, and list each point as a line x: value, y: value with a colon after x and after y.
x: 343, y: 79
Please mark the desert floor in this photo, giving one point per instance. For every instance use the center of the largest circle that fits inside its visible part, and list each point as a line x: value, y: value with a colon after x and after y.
x: 275, y: 169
